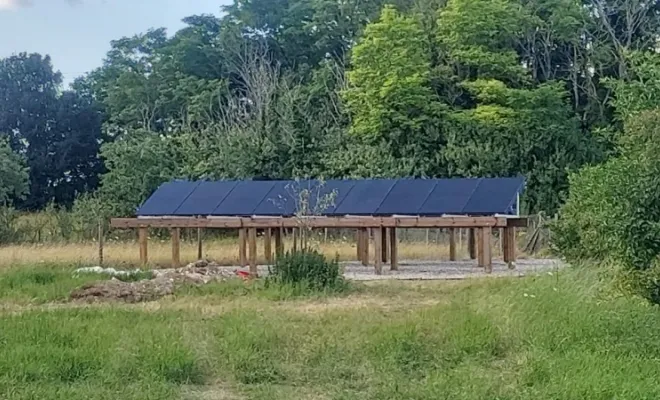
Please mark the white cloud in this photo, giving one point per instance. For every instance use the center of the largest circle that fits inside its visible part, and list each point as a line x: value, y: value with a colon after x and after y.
x: 14, y: 4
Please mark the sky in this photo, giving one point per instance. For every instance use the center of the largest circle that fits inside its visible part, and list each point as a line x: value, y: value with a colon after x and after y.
x: 77, y: 33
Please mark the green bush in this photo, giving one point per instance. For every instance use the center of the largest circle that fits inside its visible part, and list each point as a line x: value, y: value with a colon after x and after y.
x: 613, y: 210
x: 307, y: 269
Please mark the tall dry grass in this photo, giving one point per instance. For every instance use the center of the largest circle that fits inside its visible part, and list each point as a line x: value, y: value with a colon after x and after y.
x: 126, y: 254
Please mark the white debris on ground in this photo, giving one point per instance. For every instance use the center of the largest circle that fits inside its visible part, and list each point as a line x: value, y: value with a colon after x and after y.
x: 162, y: 283
x: 105, y: 271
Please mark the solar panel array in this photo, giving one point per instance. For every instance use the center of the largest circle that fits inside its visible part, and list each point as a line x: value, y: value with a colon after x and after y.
x: 378, y: 197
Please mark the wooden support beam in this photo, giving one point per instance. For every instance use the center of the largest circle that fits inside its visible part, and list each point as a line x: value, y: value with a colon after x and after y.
x: 268, y: 243
x: 394, y: 250
x: 317, y: 222
x: 176, y: 247
x: 509, y: 246
x: 365, y: 246
x: 252, y: 238
x: 143, y: 238
x: 472, y: 246
x: 279, y: 244
x: 242, y: 247
x: 200, y: 249
x: 383, y: 235
x: 452, y: 244
x: 378, y: 251
x: 485, y: 249
x: 358, y: 241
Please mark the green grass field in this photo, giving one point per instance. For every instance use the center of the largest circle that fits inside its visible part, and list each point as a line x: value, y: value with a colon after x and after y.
x: 551, y: 337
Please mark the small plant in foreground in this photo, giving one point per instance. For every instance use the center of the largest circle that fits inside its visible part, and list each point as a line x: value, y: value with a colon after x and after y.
x: 308, y: 268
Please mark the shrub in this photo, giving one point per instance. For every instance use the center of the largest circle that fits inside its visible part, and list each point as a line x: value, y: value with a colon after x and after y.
x: 613, y: 210
x: 308, y: 269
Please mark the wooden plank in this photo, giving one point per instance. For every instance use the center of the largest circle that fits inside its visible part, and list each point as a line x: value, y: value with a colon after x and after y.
x: 472, y: 238
x: 358, y: 241
x: 176, y: 247
x: 517, y: 222
x: 268, y: 251
x: 452, y: 244
x: 242, y: 247
x: 378, y: 251
x: 200, y: 249
x: 365, y: 247
x: 313, y: 222
x: 252, y: 239
x: 279, y: 244
x: 394, y: 250
x: 485, y: 249
x: 143, y: 234
x: 383, y: 235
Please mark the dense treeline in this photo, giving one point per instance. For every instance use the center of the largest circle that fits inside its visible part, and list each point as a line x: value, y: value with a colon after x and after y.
x: 327, y: 88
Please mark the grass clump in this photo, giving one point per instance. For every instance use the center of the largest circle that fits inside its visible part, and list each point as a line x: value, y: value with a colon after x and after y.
x: 308, y: 270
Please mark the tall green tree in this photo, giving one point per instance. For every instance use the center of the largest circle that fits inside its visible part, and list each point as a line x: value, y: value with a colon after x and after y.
x: 58, y: 134
x: 389, y: 97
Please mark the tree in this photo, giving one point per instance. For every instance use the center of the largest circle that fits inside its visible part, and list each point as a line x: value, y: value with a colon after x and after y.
x: 13, y: 175
x: 389, y: 97
x: 57, y: 134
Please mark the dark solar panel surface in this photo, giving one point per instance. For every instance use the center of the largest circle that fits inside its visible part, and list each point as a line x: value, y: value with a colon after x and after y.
x: 205, y: 198
x: 280, y: 200
x: 450, y: 196
x: 493, y: 196
x: 365, y: 198
x: 167, y: 198
x: 245, y: 198
x: 430, y: 197
x: 407, y: 196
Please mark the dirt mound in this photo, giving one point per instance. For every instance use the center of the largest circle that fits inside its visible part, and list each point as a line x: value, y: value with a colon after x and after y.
x: 164, y: 283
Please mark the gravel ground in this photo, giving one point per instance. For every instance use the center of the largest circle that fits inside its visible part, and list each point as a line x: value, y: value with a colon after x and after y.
x: 443, y: 270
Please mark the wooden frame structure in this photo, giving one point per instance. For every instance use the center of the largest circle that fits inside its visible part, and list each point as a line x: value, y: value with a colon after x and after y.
x: 383, y: 230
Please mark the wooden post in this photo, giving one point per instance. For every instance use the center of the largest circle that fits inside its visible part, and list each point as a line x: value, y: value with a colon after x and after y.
x: 365, y: 246
x: 242, y: 247
x: 176, y: 247
x: 452, y: 244
x: 485, y: 255
x: 378, y: 251
x: 383, y: 233
x: 200, y: 249
x: 253, y: 251
x: 279, y: 245
x: 143, y: 239
x: 472, y: 243
x: 509, y: 246
x: 394, y: 251
x: 101, y: 243
x: 358, y: 240
x: 268, y: 245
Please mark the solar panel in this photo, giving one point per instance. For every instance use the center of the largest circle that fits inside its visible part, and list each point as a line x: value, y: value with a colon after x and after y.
x: 205, y: 198
x: 382, y: 197
x: 494, y: 196
x: 333, y: 193
x: 244, y: 199
x: 278, y: 201
x: 167, y: 198
x: 365, y: 197
x: 449, y: 196
x: 407, y: 196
